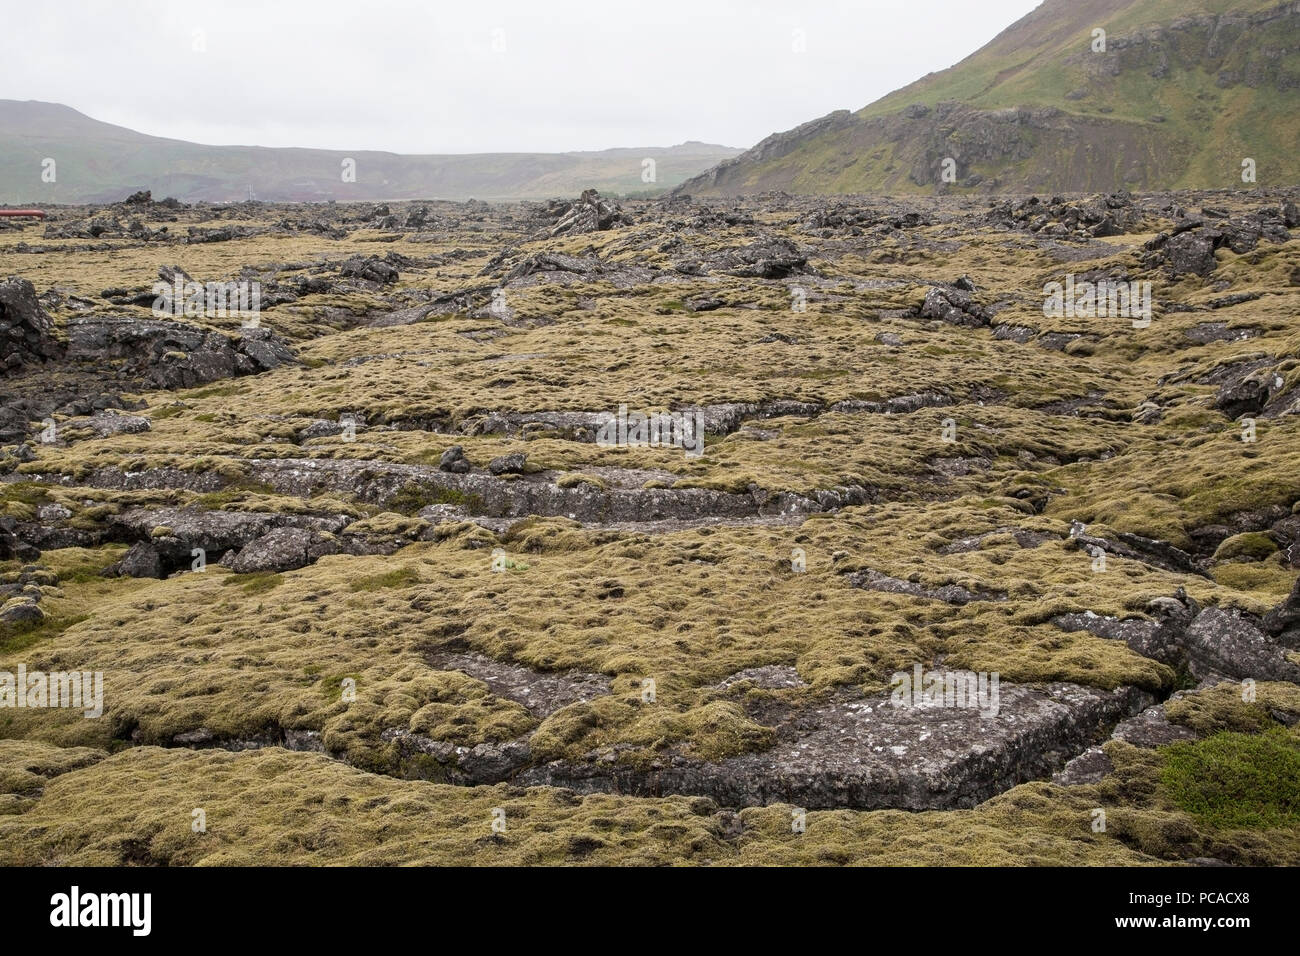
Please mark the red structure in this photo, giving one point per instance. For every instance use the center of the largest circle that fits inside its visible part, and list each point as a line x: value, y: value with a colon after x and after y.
x: 16, y: 213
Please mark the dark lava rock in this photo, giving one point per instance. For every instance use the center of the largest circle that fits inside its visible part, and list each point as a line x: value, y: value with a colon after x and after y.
x: 105, y: 424
x: 1109, y: 215
x: 1089, y: 767
x: 1210, y: 643
x: 1160, y: 637
x: 541, y: 692
x: 553, y: 262
x: 766, y: 258
x: 371, y: 268
x: 955, y: 306
x: 1228, y: 643
x: 512, y: 464
x: 1189, y: 252
x: 284, y: 549
x: 1190, y: 246
x: 21, y: 611
x: 142, y: 561
x: 1206, y: 332
x: 173, y: 354
x: 951, y: 593
x: 1151, y: 729
x: 589, y: 213
x: 11, y: 545
x: 380, y: 482
x: 1135, y: 547
x: 1284, y: 620
x: 1247, y: 394
x: 454, y: 460
x: 26, y: 331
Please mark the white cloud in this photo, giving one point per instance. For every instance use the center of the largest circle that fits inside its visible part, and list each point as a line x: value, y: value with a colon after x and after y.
x: 414, y: 77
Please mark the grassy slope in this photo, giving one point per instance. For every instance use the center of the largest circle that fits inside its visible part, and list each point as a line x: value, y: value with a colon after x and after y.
x: 1036, y: 62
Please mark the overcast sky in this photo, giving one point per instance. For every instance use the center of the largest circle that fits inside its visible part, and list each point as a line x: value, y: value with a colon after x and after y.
x: 482, y: 75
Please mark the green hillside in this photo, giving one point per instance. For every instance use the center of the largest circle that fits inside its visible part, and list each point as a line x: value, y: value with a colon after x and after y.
x: 1182, y: 93
x: 99, y: 162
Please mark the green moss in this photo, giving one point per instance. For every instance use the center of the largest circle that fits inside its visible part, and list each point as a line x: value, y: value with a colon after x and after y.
x: 1237, y: 780
x: 1231, y: 706
x: 20, y: 499
x: 1043, y: 438
x: 1252, y: 546
x: 412, y: 497
x: 214, y: 391
x: 302, y: 808
x: 573, y: 480
x: 259, y: 582
x: 397, y: 578
x: 18, y: 637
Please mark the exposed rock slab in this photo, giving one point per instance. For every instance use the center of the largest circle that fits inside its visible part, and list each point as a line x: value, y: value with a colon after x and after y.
x: 541, y: 692
x: 484, y: 494
x: 855, y: 751
x: 951, y: 593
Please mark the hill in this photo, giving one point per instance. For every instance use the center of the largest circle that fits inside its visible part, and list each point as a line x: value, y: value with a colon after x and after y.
x: 100, y: 162
x: 1180, y: 95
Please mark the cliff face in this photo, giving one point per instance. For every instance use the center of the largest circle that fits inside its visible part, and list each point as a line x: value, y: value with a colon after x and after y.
x: 1179, y: 101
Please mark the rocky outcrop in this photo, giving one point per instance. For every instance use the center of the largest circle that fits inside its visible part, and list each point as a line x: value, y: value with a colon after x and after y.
x: 512, y: 464
x: 1096, y: 216
x: 1283, y: 622
x: 866, y: 753
x: 168, y: 540
x: 21, y: 592
x: 11, y: 545
x: 1248, y: 392
x: 951, y: 593
x: 453, y: 461
x: 26, y: 331
x: 1190, y: 247
x: 1228, y: 643
x: 542, y: 693
x: 1135, y: 547
x: 766, y: 258
x: 955, y: 306
x: 173, y: 354
x: 1211, y: 643
x: 284, y: 549
x: 620, y: 496
x: 589, y: 213
x: 371, y: 269
x: 103, y: 424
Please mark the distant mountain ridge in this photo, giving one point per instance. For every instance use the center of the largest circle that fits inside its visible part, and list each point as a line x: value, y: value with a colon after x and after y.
x: 1182, y: 93
x: 100, y: 162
